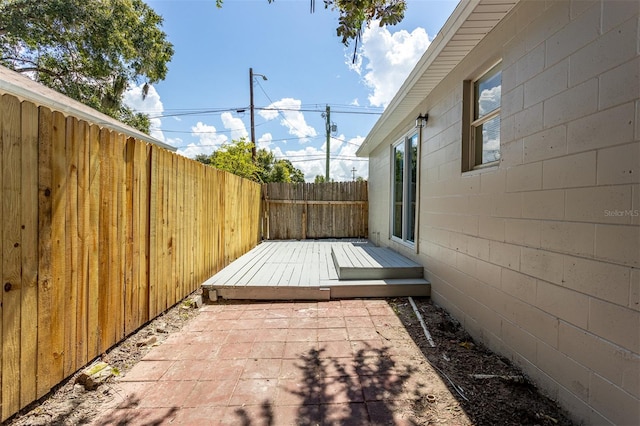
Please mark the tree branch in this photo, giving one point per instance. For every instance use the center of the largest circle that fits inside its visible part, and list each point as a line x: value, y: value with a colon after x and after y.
x: 38, y: 69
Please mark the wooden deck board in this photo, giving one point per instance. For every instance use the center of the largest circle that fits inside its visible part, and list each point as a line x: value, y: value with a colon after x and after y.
x: 359, y: 257
x: 306, y: 270
x: 235, y: 269
x: 363, y: 262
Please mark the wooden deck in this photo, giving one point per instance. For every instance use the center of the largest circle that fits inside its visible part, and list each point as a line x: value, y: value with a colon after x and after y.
x: 318, y: 270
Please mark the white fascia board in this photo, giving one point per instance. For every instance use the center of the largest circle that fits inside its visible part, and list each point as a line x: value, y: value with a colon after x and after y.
x: 392, y: 115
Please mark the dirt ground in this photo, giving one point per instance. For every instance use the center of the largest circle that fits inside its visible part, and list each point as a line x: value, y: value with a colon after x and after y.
x: 506, y: 397
x: 70, y: 404
x: 509, y: 399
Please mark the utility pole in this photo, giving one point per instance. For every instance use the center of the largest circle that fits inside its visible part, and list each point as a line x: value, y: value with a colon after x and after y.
x: 253, y: 125
x: 354, y: 173
x: 251, y: 108
x: 327, y: 115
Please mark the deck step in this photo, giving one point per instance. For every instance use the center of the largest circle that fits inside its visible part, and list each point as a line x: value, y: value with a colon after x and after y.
x: 368, y: 262
x: 403, y: 287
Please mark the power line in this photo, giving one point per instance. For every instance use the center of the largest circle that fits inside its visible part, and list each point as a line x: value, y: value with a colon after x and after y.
x: 215, y: 111
x: 279, y: 110
x: 345, y: 141
x: 198, y: 112
x: 204, y: 132
x: 320, y: 111
x: 322, y: 159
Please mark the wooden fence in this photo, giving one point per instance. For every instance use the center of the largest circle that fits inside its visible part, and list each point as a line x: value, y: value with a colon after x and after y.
x: 322, y: 210
x: 100, y: 234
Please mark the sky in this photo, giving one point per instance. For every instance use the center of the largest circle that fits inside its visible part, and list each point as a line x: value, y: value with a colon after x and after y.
x: 204, y: 100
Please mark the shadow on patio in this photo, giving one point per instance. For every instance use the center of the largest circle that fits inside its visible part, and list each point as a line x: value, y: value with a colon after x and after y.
x: 355, y: 391
x: 337, y: 362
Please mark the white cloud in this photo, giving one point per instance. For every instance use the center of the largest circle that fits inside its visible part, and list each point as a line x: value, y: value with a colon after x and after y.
x: 192, y: 150
x: 150, y: 105
x: 208, y: 140
x: 264, y: 141
x: 389, y: 57
x: 208, y: 135
x: 490, y: 99
x: 292, y: 118
x: 312, y: 160
x: 235, y: 124
x: 342, y: 167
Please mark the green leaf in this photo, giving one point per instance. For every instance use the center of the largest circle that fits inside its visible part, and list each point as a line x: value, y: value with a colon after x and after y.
x: 236, y: 158
x: 89, y: 50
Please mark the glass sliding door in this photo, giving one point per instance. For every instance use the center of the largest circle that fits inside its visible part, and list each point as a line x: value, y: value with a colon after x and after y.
x: 398, y: 189
x: 405, y: 181
x: 412, y: 183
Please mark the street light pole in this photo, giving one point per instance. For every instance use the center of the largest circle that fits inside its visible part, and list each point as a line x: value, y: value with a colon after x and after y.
x: 251, y: 108
x: 253, y: 126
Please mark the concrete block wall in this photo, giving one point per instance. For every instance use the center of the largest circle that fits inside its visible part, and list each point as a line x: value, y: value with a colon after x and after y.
x: 539, y: 257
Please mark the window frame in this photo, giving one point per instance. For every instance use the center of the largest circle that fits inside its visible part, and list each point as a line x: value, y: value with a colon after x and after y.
x: 472, y: 148
x: 409, y: 199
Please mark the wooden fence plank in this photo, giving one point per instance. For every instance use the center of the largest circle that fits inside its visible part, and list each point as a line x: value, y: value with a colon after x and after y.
x: 181, y: 239
x: 154, y: 217
x: 104, y: 226
x: 204, y: 241
x: 121, y: 235
x: 81, y: 356
x: 11, y: 253
x: 215, y: 229
x: 58, y: 246
x: 209, y: 202
x: 165, y: 266
x: 134, y: 153
x: 144, y: 223
x: 192, y: 214
x: 110, y: 218
x: 215, y: 255
x: 71, y: 246
x: 160, y: 260
x: 93, y: 242
x: 1, y: 254
x: 44, y: 379
x: 29, y: 302
x: 172, y: 222
x: 185, y: 231
x: 110, y: 326
x: 113, y: 247
x: 224, y: 233
x: 163, y: 262
x: 191, y: 219
x: 130, y: 278
x: 196, y: 264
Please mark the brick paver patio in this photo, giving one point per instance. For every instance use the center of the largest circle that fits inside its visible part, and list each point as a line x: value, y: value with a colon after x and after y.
x: 348, y: 362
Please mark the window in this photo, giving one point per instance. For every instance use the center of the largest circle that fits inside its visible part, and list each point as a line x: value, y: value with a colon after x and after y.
x: 481, y: 135
x: 405, y: 180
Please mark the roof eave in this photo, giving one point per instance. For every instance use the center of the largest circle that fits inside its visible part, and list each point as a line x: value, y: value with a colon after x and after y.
x: 432, y: 67
x: 28, y: 90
